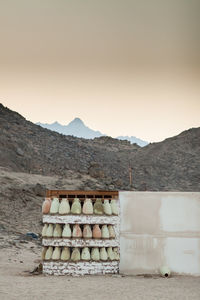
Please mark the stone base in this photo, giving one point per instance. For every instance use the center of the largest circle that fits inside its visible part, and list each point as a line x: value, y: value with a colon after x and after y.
x: 80, y: 268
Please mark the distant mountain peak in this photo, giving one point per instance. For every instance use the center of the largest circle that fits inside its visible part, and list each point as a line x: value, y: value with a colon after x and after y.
x: 78, y: 128
x: 77, y: 121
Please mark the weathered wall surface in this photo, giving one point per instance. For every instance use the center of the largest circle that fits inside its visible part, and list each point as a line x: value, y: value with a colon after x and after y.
x: 160, y: 228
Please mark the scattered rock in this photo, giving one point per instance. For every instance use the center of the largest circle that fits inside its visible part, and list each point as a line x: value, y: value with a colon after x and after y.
x: 20, y: 152
x: 39, y: 190
x: 37, y: 270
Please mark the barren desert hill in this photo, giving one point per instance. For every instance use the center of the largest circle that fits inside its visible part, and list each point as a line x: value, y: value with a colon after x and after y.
x: 33, y: 158
x: 173, y: 164
x: 26, y: 147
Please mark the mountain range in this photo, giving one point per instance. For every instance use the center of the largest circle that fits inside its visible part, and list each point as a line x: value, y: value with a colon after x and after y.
x: 100, y: 163
x: 79, y: 129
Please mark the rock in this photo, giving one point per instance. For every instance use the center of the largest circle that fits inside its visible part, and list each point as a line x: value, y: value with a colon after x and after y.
x: 37, y: 270
x: 95, y: 170
x: 19, y: 151
x: 39, y: 190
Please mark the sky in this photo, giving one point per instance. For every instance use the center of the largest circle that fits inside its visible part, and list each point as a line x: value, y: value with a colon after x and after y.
x: 123, y: 67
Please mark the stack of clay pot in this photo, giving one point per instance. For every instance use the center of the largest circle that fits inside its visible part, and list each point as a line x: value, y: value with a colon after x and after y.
x: 63, y: 207
x: 78, y: 254
x: 87, y: 231
x: 77, y: 212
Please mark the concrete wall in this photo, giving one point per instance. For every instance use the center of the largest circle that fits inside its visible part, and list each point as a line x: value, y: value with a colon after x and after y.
x: 160, y: 228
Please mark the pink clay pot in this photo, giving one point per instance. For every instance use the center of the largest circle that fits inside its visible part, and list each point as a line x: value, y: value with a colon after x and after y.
x: 77, y: 233
x: 96, y: 232
x: 46, y: 206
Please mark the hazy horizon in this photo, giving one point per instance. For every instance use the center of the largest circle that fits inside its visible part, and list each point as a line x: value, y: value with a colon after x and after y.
x: 123, y: 67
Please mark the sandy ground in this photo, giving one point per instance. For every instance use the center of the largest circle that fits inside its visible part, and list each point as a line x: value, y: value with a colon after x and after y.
x: 16, y: 282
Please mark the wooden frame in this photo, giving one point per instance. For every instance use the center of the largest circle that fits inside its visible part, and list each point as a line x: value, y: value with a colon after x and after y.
x: 82, y: 194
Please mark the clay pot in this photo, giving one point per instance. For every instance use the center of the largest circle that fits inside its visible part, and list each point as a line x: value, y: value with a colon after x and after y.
x: 165, y: 271
x: 111, y: 255
x: 111, y: 231
x: 95, y: 254
x: 103, y: 254
x: 96, y: 232
x: 75, y: 254
x: 76, y: 207
x: 67, y: 233
x: 44, y: 250
x: 54, y: 206
x: 57, y: 231
x: 77, y: 233
x: 88, y: 207
x: 46, y: 206
x: 107, y: 207
x: 56, y: 253
x: 65, y: 255
x: 64, y: 207
x: 105, y: 232
x: 85, y: 254
x: 49, y: 232
x: 49, y: 253
x: 87, y: 232
x: 114, y: 207
x: 98, y: 207
x: 116, y: 253
x: 44, y: 229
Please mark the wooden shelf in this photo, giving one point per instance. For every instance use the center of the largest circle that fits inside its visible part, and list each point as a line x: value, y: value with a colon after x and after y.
x: 82, y: 194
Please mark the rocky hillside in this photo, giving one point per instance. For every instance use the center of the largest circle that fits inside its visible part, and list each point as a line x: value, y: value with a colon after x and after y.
x: 173, y: 164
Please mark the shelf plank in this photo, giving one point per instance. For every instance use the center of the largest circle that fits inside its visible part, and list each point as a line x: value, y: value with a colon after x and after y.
x: 80, y: 242
x: 81, y: 219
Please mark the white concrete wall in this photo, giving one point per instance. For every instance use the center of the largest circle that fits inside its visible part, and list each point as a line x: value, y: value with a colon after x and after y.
x: 160, y: 228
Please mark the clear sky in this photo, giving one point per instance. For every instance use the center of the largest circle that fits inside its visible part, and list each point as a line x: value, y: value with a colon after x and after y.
x: 123, y: 67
